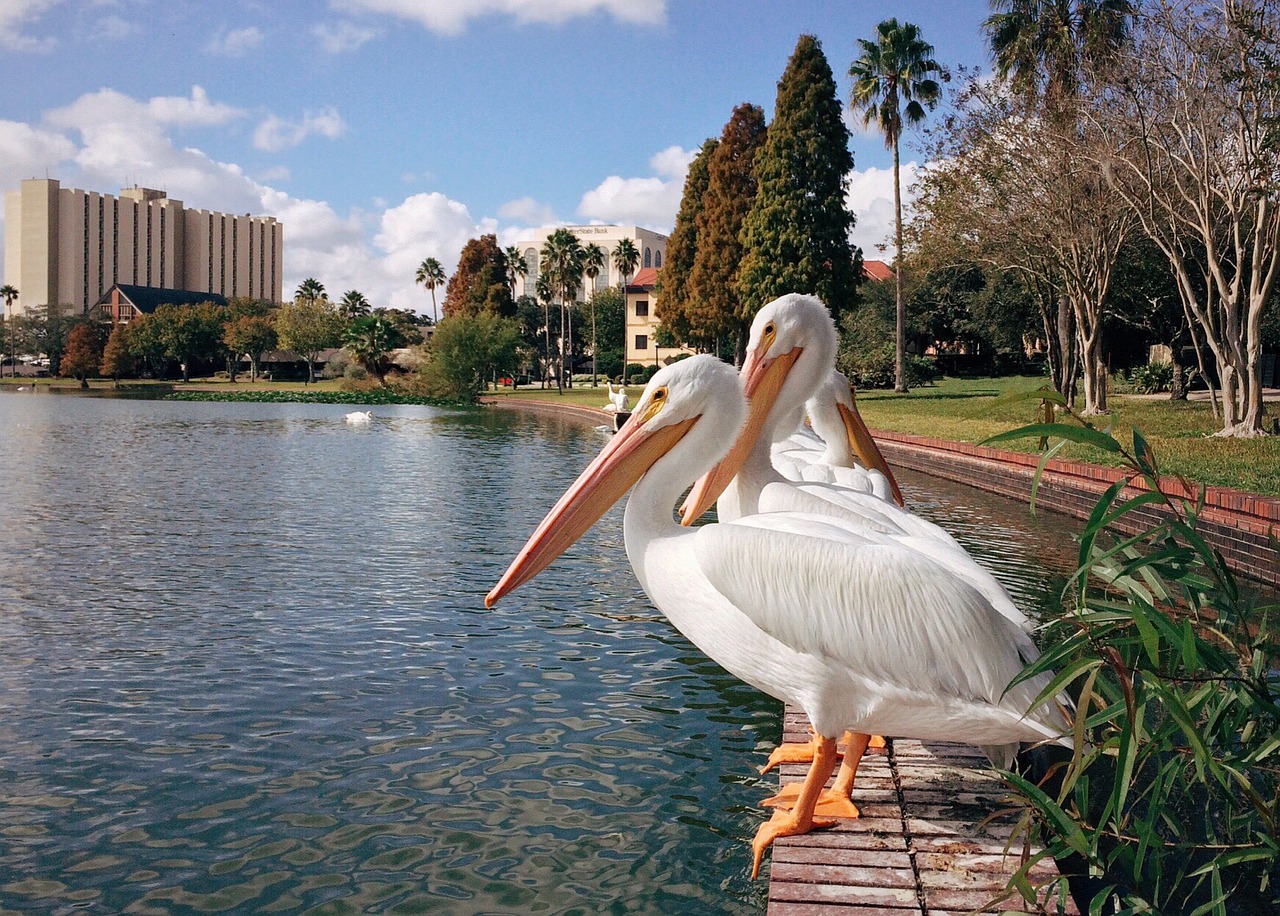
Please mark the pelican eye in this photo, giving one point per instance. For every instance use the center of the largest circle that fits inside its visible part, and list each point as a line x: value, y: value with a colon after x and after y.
x: 656, y: 400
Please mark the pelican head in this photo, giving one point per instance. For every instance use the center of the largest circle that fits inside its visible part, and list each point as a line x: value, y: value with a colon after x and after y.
x: 833, y: 410
x: 700, y: 391
x: 791, y: 349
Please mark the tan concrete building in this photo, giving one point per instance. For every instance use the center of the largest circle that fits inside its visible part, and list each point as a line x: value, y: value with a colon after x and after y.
x: 643, y: 320
x: 67, y: 246
x: 651, y: 246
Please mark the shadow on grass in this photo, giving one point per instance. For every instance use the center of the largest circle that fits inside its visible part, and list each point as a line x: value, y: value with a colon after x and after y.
x: 914, y: 395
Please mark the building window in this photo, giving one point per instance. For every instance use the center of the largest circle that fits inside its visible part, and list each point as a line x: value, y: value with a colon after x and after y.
x: 648, y: 257
x: 531, y: 271
x: 642, y: 341
x: 602, y: 278
x: 657, y: 260
x: 642, y: 308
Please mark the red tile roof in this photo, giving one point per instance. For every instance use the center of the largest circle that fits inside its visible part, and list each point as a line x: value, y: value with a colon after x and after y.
x: 876, y: 270
x: 646, y: 279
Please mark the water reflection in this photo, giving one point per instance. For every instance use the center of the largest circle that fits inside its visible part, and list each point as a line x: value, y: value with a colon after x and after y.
x: 245, y: 665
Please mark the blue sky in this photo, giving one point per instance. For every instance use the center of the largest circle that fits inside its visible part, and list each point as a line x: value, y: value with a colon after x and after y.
x: 385, y: 131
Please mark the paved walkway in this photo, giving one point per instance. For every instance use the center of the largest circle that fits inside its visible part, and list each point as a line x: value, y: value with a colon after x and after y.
x: 918, y: 847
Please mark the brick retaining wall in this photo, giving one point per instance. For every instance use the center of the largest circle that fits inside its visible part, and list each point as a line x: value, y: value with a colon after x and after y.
x: 1236, y: 523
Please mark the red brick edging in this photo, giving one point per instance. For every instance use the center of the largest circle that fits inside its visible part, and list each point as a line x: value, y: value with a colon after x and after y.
x: 1236, y: 523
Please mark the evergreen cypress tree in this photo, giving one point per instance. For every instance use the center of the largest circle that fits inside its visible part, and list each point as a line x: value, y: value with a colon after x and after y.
x: 673, y: 279
x: 731, y: 191
x: 796, y: 237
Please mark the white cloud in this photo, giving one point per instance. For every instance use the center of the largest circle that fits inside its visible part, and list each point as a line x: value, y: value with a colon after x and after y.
x: 113, y: 28
x: 236, y: 43
x: 343, y: 35
x: 527, y: 210
x: 14, y: 14
x: 650, y: 202
x: 450, y: 17
x: 276, y: 133
x: 28, y: 152
x: 107, y: 107
x: 423, y: 226
x: 870, y: 198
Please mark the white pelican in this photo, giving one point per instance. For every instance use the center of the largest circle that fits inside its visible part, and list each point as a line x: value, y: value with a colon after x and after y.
x: 788, y: 369
x: 359, y: 417
x: 861, y: 633
x: 830, y: 451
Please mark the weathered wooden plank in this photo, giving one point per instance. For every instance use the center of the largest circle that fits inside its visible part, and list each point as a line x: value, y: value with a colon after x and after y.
x: 918, y: 839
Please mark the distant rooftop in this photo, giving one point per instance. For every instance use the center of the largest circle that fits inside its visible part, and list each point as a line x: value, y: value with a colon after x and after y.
x: 147, y: 298
x: 876, y: 270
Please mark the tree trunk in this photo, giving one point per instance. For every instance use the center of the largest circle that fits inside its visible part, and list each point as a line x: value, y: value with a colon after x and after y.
x: 594, y: 381
x: 560, y: 367
x: 900, y: 346
x: 1178, y: 386
x: 84, y: 382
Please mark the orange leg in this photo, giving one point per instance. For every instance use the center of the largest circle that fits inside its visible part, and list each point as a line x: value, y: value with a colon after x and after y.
x: 838, y: 800
x: 800, y: 819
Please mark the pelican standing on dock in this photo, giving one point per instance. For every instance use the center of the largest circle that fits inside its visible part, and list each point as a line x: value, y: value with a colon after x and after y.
x: 861, y: 634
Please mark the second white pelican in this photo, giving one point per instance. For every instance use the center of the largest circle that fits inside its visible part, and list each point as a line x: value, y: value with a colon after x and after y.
x: 861, y: 634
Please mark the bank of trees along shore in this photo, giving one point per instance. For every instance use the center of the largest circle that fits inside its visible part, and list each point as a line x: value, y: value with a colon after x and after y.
x: 1116, y: 135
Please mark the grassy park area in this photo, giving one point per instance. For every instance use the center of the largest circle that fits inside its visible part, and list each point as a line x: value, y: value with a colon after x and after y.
x: 970, y: 410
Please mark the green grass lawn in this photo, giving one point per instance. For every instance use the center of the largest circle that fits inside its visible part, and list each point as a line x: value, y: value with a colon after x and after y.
x: 970, y: 410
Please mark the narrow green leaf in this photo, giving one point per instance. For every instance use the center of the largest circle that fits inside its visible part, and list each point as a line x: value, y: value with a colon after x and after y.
x: 1085, y: 435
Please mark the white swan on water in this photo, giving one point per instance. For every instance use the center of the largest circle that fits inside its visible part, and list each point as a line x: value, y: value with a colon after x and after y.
x: 359, y: 417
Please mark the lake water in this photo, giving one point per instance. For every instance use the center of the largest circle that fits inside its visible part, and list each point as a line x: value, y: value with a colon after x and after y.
x: 245, y: 665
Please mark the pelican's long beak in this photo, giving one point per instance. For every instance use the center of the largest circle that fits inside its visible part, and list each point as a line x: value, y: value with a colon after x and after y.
x: 629, y: 454
x: 762, y: 378
x: 866, y: 449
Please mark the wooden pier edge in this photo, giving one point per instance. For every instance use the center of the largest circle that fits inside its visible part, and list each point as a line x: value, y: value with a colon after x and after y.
x: 922, y: 845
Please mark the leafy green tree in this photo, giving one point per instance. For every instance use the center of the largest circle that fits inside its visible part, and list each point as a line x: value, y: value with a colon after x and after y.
x: 116, y: 359
x: 626, y: 258
x: 252, y: 335
x: 893, y: 83
x: 370, y: 339
x: 431, y: 275
x: 43, y: 329
x: 796, y: 237
x: 405, y: 324
x: 546, y: 295
x: 611, y: 321
x: 730, y: 194
x: 310, y: 290
x: 353, y: 305
x: 1041, y: 45
x: 516, y: 267
x: 467, y: 350
x: 682, y: 248
x: 561, y: 262
x: 83, y: 354
x: 190, y: 333
x: 145, y: 343
x: 9, y: 293
x: 593, y: 261
x: 480, y: 282
x: 306, y: 328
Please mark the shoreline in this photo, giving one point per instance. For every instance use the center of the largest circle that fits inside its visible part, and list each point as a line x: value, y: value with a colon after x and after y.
x: 1237, y: 523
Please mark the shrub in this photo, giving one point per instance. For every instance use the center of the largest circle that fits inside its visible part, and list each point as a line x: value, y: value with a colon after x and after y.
x: 1152, y: 378
x: 874, y: 368
x: 1170, y: 796
x: 355, y: 371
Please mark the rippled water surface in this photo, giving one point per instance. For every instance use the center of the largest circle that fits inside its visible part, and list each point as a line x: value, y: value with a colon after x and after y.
x: 245, y: 666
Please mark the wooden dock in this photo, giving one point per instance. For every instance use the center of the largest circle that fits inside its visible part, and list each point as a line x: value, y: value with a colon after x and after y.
x: 917, y: 847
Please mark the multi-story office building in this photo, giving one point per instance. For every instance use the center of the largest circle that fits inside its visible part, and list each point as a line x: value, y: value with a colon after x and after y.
x: 67, y: 247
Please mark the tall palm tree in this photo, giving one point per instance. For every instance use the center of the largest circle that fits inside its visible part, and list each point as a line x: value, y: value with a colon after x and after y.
x: 310, y: 291
x: 516, y: 267
x: 593, y: 261
x: 1039, y: 45
x: 9, y: 292
x: 892, y: 85
x: 353, y: 305
x: 626, y: 258
x: 431, y: 275
x: 562, y: 257
x: 546, y: 295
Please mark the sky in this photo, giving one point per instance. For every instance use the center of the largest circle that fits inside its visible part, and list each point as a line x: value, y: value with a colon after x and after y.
x: 382, y: 132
